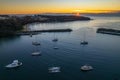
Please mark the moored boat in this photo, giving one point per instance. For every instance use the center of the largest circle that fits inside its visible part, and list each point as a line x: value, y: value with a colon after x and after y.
x: 84, y: 43
x: 36, y: 43
x: 54, y: 69
x: 55, y: 40
x: 86, y: 68
x: 36, y: 54
x: 14, y: 64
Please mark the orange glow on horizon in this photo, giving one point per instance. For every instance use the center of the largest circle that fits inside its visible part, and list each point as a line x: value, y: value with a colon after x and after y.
x: 96, y: 11
x: 56, y: 11
x: 58, y: 6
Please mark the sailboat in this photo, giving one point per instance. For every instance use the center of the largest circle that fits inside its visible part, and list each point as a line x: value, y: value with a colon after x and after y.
x: 36, y: 43
x: 84, y: 42
x: 36, y: 52
x: 55, y: 40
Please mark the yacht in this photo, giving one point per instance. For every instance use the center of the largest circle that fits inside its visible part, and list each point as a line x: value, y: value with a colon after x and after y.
x: 86, y: 68
x: 14, y: 64
x: 54, y: 69
x: 36, y: 54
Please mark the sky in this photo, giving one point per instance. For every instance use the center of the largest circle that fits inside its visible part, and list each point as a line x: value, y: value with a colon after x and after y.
x: 58, y: 6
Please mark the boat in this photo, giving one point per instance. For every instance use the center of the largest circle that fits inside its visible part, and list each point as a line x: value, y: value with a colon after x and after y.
x: 84, y: 43
x: 55, y: 48
x: 86, y: 68
x: 36, y: 54
x: 55, y: 40
x: 30, y: 35
x: 14, y: 64
x: 36, y: 43
x: 54, y: 69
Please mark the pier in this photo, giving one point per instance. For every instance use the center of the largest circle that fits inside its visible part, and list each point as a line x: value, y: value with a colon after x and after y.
x: 42, y: 31
x: 108, y: 31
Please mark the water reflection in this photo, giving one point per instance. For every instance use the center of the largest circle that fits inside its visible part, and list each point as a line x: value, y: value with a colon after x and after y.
x: 7, y: 40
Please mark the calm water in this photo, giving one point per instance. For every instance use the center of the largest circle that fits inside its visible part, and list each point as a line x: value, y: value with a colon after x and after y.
x: 102, y: 52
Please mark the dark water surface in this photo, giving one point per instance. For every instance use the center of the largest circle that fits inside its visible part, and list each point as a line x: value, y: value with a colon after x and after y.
x: 102, y: 52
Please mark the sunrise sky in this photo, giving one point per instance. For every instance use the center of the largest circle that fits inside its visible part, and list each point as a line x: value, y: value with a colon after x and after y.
x: 58, y: 6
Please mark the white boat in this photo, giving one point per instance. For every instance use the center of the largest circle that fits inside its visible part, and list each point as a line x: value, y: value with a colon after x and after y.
x: 54, y: 69
x: 36, y: 54
x: 84, y: 43
x: 55, y: 40
x: 35, y: 43
x: 86, y: 68
x: 14, y: 64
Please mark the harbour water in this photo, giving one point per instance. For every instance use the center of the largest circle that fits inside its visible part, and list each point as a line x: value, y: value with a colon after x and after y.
x: 102, y: 52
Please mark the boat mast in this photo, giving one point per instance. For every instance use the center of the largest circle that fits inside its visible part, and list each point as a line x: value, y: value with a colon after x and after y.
x: 84, y: 35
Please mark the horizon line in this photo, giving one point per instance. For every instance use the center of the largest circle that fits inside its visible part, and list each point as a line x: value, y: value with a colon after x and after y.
x: 64, y: 12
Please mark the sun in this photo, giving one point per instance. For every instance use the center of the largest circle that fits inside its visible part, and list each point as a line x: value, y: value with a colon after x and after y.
x: 77, y: 12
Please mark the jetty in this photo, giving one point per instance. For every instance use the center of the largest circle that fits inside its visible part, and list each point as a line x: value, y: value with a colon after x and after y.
x: 108, y: 31
x: 42, y: 31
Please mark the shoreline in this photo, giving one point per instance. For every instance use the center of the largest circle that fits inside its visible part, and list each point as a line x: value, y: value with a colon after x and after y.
x: 13, y: 24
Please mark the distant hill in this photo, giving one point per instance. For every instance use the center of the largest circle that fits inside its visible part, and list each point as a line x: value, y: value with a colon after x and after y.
x: 103, y: 14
